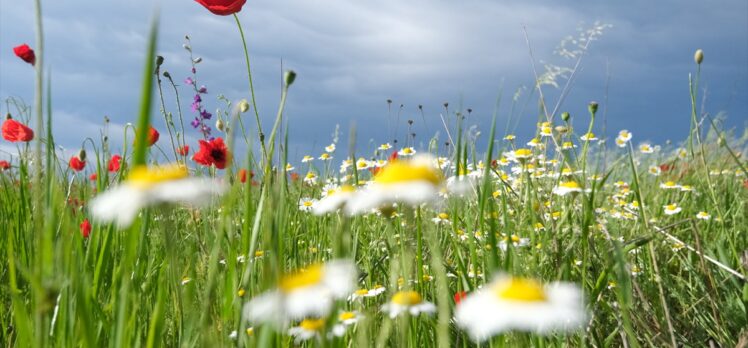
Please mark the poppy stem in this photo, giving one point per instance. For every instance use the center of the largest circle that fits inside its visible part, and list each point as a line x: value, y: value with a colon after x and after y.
x: 251, y: 88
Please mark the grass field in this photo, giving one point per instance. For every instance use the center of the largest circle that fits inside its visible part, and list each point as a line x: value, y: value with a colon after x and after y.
x: 563, y: 239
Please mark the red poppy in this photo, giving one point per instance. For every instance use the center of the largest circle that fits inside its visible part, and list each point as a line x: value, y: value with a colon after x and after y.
x: 14, y: 131
x: 77, y: 164
x: 152, y: 136
x: 213, y: 152
x: 459, y: 296
x: 666, y: 167
x: 222, y: 7
x: 294, y: 176
x: 4, y: 165
x: 26, y: 53
x: 184, y: 150
x: 114, y: 163
x: 242, y: 175
x: 85, y: 228
x: 393, y: 156
x: 93, y: 177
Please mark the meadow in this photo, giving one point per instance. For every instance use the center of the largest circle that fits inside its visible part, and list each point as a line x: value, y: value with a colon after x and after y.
x: 563, y: 239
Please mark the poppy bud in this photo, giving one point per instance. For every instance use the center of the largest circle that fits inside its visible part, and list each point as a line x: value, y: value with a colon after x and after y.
x: 289, y: 76
x: 592, y: 107
x: 698, y: 57
x: 167, y: 75
x: 85, y: 227
x: 159, y: 60
x: 82, y: 155
x: 8, y: 116
x: 25, y: 53
x: 243, y: 106
x: 565, y: 116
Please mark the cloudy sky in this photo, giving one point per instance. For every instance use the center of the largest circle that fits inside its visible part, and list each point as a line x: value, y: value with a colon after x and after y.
x: 351, y: 56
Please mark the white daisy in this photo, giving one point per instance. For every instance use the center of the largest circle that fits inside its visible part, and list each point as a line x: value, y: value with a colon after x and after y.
x: 408, y: 302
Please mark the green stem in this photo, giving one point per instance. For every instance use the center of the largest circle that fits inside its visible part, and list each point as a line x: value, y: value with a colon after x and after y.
x: 252, y: 89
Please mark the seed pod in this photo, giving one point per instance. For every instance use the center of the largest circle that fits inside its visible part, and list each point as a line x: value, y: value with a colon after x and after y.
x: 698, y: 57
x: 565, y: 116
x: 82, y: 155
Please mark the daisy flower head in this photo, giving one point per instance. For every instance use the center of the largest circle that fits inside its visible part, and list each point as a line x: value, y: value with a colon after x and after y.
x: 534, y: 142
x: 441, y: 219
x: 672, y: 209
x: 623, y: 138
x: 520, y: 155
x: 334, y: 200
x: 146, y: 186
x: 510, y: 137
x: 510, y: 303
x: 408, y: 301
x: 702, y: 215
x: 407, y: 151
x: 655, y: 170
x: 413, y: 181
x: 307, y: 158
x: 289, y: 167
x: 325, y: 157
x: 307, y: 329
x: 588, y: 137
x: 567, y: 145
x: 384, y: 147
x: 330, y: 148
x: 307, y: 204
x: 310, y: 178
x: 669, y: 185
x: 567, y: 187
x: 306, y: 293
x: 363, y: 164
x: 345, y: 320
x: 646, y: 148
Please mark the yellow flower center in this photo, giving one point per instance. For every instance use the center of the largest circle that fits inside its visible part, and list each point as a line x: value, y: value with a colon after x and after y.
x: 361, y: 292
x: 670, y: 184
x: 308, y: 203
x: 570, y: 185
x: 521, y: 289
x: 443, y: 216
x: 407, y: 150
x: 144, y: 177
x: 259, y: 253
x: 399, y: 171
x: 294, y: 281
x: 407, y: 298
x: 311, y: 175
x: 671, y: 207
x: 522, y: 153
x: 312, y: 324
x: 346, y: 316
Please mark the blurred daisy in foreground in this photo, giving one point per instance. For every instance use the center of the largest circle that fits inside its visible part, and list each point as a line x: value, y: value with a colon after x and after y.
x: 306, y: 293
x: 567, y: 187
x: 361, y: 293
x: 510, y: 303
x: 408, y: 302
x: 334, y: 200
x: 413, y: 181
x: 148, y: 186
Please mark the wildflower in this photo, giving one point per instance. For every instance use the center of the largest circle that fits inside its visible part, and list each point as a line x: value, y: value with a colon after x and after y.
x: 334, y: 200
x: 15, y: 131
x: 535, y: 142
x: 185, y: 280
x: 289, y: 167
x: 441, y: 219
x: 515, y: 240
x: 567, y: 187
x: 677, y: 246
x: 4, y: 165
x: 384, y: 147
x: 654, y: 170
x: 303, y: 294
x: 183, y: 150
x: 669, y: 185
x: 93, y: 177
x: 510, y: 137
x: 85, y: 227
x: 414, y: 182
x: 310, y: 178
x: 152, y: 136
x: 242, y: 175
x: 408, y: 302
x: 222, y: 7
x: 623, y: 137
x: 672, y: 209
x: 114, y: 163
x: 307, y: 158
x: 307, y: 329
x: 362, y: 164
x: 702, y: 215
x: 407, y: 151
x: 546, y: 131
x: 307, y: 204
x: 567, y: 145
x: 77, y: 164
x: 459, y: 296
x: 330, y: 148
x: 686, y: 188
x: 345, y: 320
x: 510, y: 303
x: 361, y: 293
x: 521, y: 154
x: 589, y: 137
x: 645, y: 148
x: 325, y: 157
x: 25, y: 53
x: 213, y: 152
x: 146, y: 186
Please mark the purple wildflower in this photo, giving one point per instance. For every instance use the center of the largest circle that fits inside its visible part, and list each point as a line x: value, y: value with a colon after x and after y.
x: 203, y: 90
x: 195, y: 123
x: 189, y: 81
x: 205, y: 115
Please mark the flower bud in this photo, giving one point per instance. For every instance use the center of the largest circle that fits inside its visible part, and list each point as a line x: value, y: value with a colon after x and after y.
x: 167, y: 75
x: 289, y: 76
x: 243, y: 106
x: 698, y: 57
x: 592, y: 107
x: 197, y: 60
x: 8, y: 116
x: 565, y: 116
x: 82, y: 155
x: 219, y: 125
x: 159, y: 60
x: 562, y: 129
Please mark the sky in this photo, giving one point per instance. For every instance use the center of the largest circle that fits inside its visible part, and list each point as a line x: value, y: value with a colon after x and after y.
x: 352, y: 56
